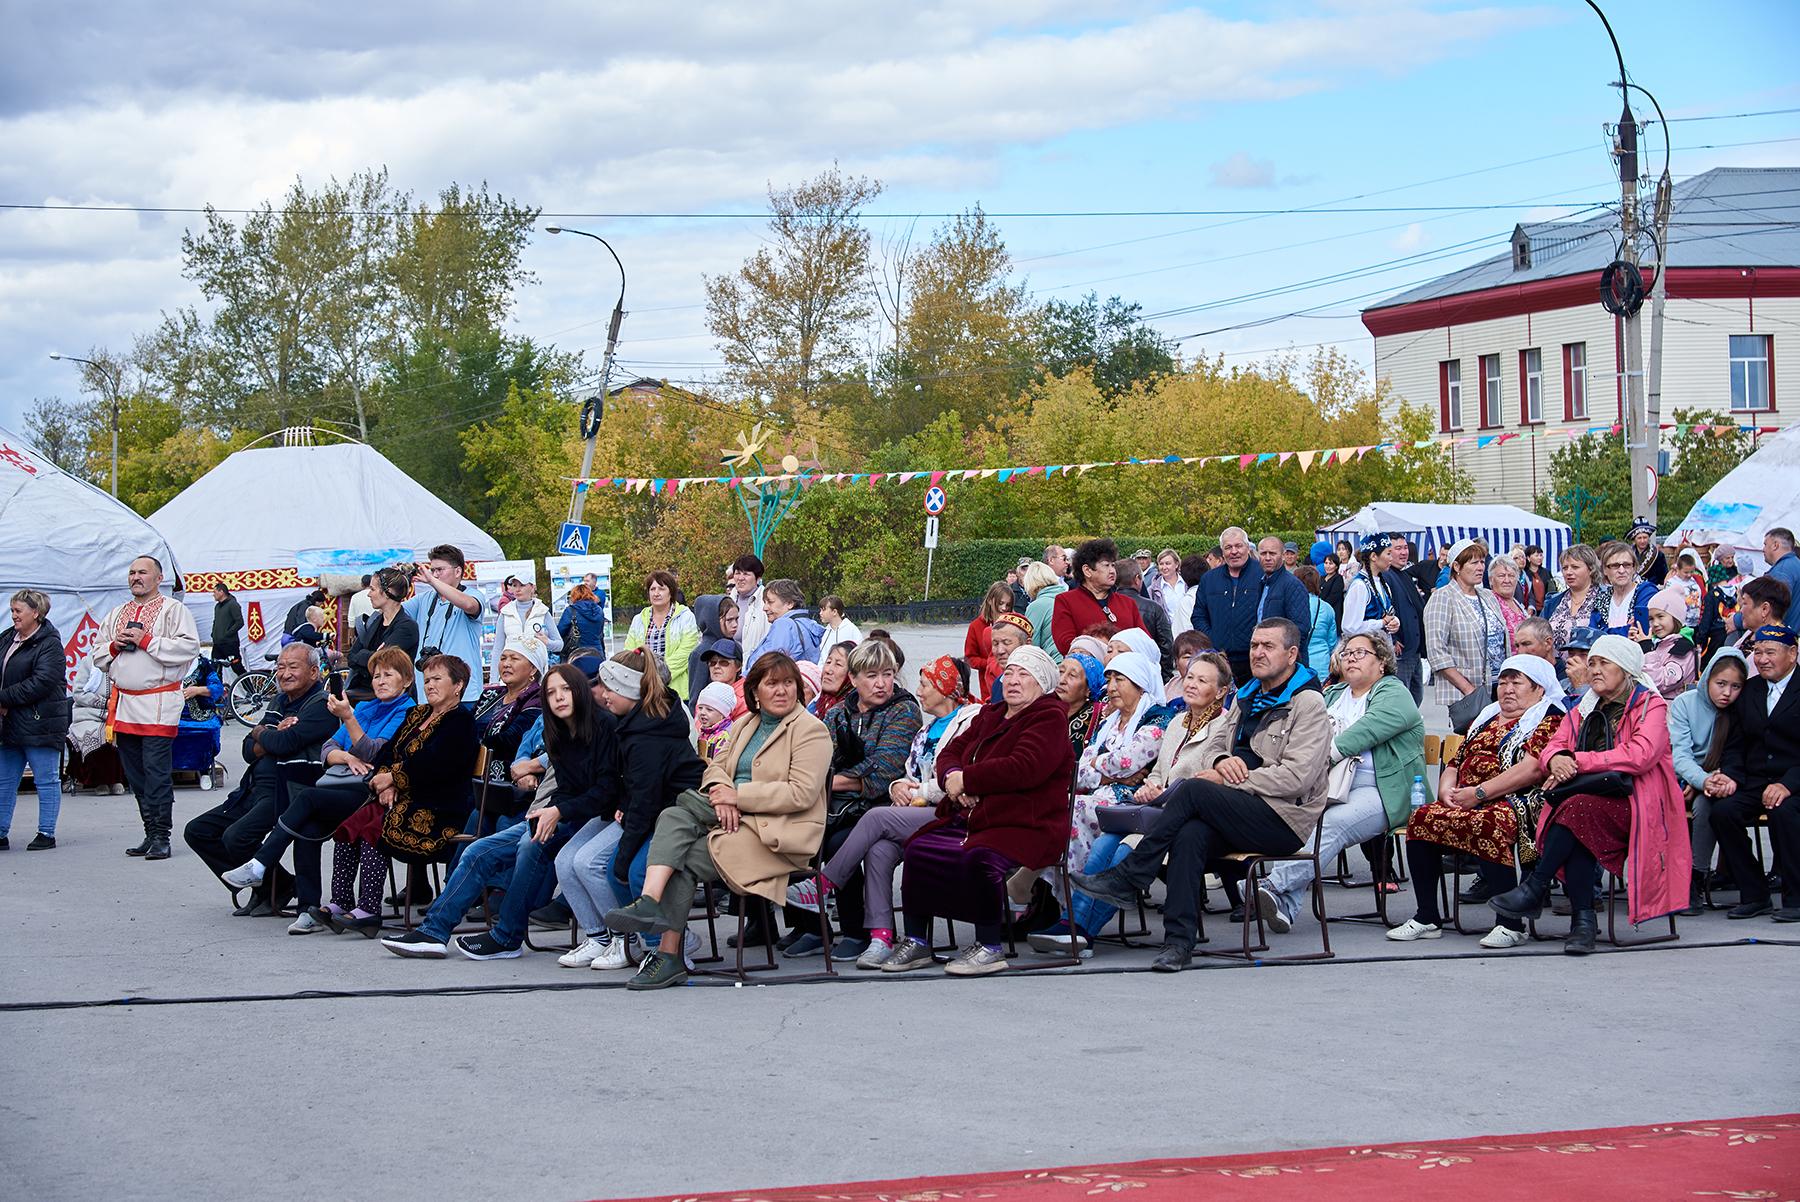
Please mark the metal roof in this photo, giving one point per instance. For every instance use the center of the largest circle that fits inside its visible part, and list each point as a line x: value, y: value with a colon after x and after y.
x: 1726, y: 217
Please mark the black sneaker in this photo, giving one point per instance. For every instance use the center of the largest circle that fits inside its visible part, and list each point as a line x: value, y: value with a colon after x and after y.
x: 43, y: 842
x: 486, y: 947
x: 1110, y: 887
x: 659, y: 971
x: 5, y: 843
x: 553, y: 915
x: 414, y: 945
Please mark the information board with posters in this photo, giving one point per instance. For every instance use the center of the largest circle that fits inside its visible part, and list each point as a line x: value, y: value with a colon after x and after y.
x: 567, y: 571
x: 490, y: 576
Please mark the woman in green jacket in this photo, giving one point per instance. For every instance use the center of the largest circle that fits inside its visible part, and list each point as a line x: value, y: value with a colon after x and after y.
x: 666, y: 627
x: 1377, y: 750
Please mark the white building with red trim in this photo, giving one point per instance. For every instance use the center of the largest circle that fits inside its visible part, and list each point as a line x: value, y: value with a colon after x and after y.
x: 1515, y: 354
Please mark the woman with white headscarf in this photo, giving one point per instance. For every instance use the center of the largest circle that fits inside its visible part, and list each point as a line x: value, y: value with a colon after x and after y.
x: 1621, y: 726
x: 1134, y: 639
x: 1488, y: 800
x: 1124, y: 749
x: 1377, y: 748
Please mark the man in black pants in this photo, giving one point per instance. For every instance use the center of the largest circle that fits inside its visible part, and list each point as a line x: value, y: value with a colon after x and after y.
x: 1265, y: 792
x: 296, y: 723
x: 1760, y: 773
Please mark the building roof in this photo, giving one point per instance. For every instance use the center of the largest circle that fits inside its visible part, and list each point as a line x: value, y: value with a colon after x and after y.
x: 1726, y: 217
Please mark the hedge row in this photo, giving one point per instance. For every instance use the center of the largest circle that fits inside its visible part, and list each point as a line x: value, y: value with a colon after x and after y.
x: 966, y: 568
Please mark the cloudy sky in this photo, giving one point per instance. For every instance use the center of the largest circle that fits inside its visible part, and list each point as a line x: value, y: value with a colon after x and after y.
x: 1035, y: 109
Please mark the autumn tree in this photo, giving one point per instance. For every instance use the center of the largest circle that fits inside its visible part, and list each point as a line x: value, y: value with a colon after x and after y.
x: 1109, y: 339
x: 791, y: 322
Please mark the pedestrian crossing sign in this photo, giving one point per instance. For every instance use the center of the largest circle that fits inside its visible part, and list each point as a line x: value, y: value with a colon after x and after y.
x: 574, y: 540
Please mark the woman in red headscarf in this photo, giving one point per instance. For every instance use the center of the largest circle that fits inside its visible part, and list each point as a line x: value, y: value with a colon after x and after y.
x: 880, y: 835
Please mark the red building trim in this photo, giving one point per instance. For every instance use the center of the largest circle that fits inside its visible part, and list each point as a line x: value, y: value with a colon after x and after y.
x: 1571, y: 292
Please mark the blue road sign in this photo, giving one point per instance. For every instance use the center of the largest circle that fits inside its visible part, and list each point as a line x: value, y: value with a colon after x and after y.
x: 574, y: 539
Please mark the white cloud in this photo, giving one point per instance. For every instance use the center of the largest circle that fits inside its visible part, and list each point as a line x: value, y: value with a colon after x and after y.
x: 1242, y: 171
x: 1412, y: 238
x: 581, y: 109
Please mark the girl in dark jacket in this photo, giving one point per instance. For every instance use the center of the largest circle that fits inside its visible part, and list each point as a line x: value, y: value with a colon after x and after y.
x: 602, y: 866
x: 34, y: 714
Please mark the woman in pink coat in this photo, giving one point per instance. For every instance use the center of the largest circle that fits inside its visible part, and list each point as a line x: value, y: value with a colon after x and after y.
x: 1621, y: 725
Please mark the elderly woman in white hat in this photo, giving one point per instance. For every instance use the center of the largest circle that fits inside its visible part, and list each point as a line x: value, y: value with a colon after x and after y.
x: 1633, y: 825
x: 1488, y: 803
x: 504, y: 712
x: 1123, y: 749
x: 1006, y: 781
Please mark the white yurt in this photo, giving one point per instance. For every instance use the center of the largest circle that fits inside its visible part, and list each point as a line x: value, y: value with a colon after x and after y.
x: 272, y: 523
x: 68, y: 539
x: 1757, y: 495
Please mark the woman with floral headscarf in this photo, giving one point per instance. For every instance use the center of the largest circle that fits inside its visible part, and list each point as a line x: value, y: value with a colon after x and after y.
x: 1123, y: 749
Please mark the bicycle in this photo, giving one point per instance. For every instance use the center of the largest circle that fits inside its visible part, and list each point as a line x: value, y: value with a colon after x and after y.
x: 248, y: 697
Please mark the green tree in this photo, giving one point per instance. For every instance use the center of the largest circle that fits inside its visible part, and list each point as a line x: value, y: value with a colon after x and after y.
x: 1108, y: 339
x: 58, y: 429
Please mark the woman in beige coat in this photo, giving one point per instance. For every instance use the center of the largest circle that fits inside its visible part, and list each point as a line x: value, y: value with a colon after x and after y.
x: 758, y: 815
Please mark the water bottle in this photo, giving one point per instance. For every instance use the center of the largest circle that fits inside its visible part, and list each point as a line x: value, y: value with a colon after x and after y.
x: 1418, y: 792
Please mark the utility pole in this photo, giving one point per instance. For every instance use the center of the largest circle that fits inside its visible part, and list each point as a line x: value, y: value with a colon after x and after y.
x: 590, y: 418
x: 1643, y: 436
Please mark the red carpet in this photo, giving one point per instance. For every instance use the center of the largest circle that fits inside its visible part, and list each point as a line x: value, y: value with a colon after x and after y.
x: 1733, y: 1160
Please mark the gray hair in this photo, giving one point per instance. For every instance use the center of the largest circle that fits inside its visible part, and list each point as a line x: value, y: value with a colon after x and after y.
x: 1378, y: 642
x: 1226, y: 534
x: 788, y: 590
x: 309, y: 651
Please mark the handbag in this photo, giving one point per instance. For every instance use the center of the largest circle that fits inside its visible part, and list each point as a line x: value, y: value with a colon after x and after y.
x: 1465, y: 709
x: 1590, y: 784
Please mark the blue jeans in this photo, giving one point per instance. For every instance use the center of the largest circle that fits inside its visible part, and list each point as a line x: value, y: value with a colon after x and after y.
x: 46, y: 770
x: 510, y: 858
x: 1090, y: 915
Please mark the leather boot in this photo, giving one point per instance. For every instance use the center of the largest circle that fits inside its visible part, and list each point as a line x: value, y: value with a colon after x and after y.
x: 1696, y: 901
x: 1526, y: 901
x: 158, y: 849
x: 1583, y: 930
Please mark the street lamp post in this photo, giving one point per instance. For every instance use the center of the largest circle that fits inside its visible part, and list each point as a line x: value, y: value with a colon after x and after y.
x: 112, y: 379
x: 578, y: 502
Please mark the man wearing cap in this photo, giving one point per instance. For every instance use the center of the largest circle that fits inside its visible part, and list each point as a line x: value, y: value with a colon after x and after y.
x: 1574, y: 661
x: 1651, y: 564
x: 1290, y: 556
x: 1759, y: 774
x: 1151, y: 583
x: 1761, y: 602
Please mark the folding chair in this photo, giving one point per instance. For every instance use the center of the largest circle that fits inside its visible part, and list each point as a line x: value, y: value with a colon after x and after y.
x: 1256, y: 869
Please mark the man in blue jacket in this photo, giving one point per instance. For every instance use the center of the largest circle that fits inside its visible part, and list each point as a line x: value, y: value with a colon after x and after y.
x: 1225, y: 603
x: 1784, y: 565
x: 1283, y: 596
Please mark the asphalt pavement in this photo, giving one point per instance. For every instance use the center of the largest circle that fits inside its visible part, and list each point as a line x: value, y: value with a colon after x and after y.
x: 157, y: 1047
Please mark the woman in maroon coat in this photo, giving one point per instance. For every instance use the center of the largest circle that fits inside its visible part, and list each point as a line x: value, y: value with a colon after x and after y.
x: 1006, y: 782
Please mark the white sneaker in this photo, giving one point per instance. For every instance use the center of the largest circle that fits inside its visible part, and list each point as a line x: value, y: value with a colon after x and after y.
x: 875, y: 955
x: 1413, y: 929
x: 1268, y: 904
x: 591, y: 949
x: 804, y: 895
x: 690, y: 943
x: 613, y: 954
x: 1503, y: 937
x: 245, y: 876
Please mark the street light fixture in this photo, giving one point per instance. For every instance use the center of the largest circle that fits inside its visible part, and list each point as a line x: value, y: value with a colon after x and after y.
x: 579, y: 501
x: 112, y: 379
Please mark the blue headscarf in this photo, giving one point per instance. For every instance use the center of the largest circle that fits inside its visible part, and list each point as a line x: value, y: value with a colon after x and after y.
x: 1096, y: 674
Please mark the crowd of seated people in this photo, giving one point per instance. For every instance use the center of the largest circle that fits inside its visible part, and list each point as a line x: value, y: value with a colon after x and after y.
x: 806, y: 787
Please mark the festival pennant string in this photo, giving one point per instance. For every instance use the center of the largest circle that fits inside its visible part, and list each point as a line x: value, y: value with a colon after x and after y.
x: 1245, y: 461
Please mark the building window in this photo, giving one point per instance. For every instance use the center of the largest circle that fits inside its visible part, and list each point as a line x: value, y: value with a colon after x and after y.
x: 1574, y: 381
x: 1750, y: 375
x: 1531, y: 386
x: 1490, y: 391
x: 1450, y: 394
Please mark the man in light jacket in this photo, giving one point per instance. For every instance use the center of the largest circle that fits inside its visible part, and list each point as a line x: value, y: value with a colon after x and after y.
x: 1265, y: 792
x: 145, y: 648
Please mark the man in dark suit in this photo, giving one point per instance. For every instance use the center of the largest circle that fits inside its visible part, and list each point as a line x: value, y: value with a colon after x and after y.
x: 1760, y: 774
